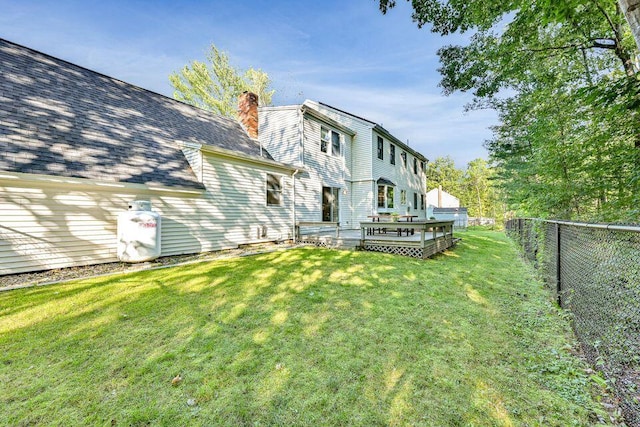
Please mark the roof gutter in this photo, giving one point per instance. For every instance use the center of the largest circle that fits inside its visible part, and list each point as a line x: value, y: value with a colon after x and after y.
x: 395, y: 140
x: 309, y: 110
x: 230, y: 154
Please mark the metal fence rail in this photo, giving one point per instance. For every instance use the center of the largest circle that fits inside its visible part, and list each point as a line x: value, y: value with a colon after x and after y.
x: 594, y: 272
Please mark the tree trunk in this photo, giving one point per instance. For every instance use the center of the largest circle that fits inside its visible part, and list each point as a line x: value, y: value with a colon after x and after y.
x: 631, y: 10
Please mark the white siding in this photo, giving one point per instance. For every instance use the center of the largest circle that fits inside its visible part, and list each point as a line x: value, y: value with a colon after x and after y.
x: 360, y: 162
x: 279, y: 132
x: 403, y: 177
x: 293, y: 137
x: 448, y: 200
x: 45, y: 226
x: 194, y: 157
x: 367, y: 168
x: 322, y: 170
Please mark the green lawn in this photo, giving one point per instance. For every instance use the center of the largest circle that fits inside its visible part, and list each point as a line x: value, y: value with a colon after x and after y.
x: 299, y: 337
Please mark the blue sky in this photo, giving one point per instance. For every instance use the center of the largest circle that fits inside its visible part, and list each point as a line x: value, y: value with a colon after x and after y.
x: 343, y: 53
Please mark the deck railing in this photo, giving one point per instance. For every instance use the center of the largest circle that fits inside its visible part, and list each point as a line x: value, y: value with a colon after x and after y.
x: 434, y: 236
x: 316, y: 225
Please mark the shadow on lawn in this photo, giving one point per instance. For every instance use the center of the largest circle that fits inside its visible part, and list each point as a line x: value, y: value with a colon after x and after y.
x: 285, y: 337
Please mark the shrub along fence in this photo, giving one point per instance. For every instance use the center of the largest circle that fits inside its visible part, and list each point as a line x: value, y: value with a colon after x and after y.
x: 594, y: 272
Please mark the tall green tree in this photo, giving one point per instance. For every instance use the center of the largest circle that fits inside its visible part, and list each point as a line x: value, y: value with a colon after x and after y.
x: 215, y: 85
x: 443, y: 172
x: 562, y: 76
x: 475, y: 186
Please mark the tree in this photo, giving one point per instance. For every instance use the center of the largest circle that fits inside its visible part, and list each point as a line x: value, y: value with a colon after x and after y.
x: 474, y: 186
x: 443, y: 172
x: 216, y: 85
x: 631, y: 10
x: 478, y: 188
x: 563, y: 78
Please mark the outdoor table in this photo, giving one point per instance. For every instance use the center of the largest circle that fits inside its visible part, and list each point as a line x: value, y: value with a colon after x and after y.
x: 407, y: 218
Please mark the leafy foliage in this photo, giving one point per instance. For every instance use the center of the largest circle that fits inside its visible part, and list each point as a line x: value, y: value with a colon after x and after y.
x: 216, y: 84
x: 563, y: 79
x: 474, y: 186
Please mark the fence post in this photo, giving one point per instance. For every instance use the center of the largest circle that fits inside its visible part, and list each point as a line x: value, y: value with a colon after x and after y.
x: 558, y: 270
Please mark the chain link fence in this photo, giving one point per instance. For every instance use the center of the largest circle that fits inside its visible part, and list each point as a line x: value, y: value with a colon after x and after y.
x: 594, y: 272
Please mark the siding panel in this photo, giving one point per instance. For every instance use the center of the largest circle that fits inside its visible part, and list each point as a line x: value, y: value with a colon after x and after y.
x: 55, y: 227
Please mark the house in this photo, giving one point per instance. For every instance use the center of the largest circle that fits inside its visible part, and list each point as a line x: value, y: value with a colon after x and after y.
x: 444, y: 206
x: 354, y: 168
x: 76, y: 147
x: 438, y: 198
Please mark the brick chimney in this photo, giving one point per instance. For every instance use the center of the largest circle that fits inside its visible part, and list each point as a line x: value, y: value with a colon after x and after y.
x: 248, y: 112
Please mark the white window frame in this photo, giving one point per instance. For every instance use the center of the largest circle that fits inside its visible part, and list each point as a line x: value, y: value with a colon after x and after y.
x: 389, y: 194
x: 326, y: 142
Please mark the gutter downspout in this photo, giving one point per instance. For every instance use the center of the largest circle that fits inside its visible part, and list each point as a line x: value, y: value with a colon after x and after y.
x: 293, y: 208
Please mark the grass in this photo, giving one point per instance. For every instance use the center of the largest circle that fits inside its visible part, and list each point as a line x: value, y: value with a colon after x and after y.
x: 299, y: 337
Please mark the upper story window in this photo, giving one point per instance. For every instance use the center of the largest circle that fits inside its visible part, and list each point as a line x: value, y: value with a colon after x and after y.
x: 415, y: 165
x: 380, y: 148
x: 422, y: 166
x: 274, y: 190
x: 404, y: 158
x: 335, y: 143
x: 329, y: 141
x: 392, y: 154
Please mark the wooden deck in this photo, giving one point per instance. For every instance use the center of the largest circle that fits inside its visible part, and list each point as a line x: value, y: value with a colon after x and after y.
x: 428, y: 237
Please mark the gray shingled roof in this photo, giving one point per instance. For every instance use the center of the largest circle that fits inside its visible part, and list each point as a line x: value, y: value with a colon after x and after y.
x: 60, y: 119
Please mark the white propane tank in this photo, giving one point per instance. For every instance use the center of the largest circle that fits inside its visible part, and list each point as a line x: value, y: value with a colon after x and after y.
x: 138, y: 233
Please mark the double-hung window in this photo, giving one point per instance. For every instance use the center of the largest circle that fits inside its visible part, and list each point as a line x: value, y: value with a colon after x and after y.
x: 330, y: 141
x: 380, y: 148
x: 392, y: 154
x: 335, y: 143
x: 403, y: 155
x: 325, y: 139
x: 422, y: 202
x: 274, y: 190
x: 415, y: 166
x: 403, y: 197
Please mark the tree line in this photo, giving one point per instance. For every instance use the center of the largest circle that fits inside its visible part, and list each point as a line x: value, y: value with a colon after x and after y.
x: 563, y: 77
x: 474, y: 186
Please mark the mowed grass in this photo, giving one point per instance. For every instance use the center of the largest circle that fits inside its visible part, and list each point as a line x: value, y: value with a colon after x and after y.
x: 298, y: 337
